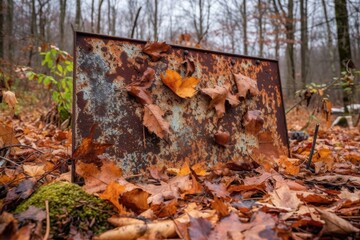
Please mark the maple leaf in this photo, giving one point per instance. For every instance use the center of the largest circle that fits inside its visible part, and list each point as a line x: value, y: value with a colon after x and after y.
x: 139, y: 88
x: 218, y: 97
x: 88, y: 151
x: 34, y: 170
x: 112, y: 193
x: 154, y: 49
x: 154, y: 121
x: 222, y: 138
x: 184, y: 88
x: 245, y: 84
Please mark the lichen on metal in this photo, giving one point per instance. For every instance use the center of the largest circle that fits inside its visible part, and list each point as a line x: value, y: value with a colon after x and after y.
x: 104, y: 66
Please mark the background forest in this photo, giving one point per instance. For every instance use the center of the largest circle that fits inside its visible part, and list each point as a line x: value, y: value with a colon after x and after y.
x: 305, y: 35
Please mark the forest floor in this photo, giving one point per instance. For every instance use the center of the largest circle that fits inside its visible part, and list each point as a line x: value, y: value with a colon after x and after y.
x: 235, y: 200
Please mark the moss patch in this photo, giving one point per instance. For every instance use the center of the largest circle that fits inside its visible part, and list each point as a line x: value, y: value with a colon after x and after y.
x: 69, y: 205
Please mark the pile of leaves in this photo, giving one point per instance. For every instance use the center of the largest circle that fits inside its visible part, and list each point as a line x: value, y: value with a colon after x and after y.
x: 234, y: 200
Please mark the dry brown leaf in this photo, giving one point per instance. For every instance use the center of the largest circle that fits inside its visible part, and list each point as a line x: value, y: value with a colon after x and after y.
x: 228, y: 226
x: 336, y: 224
x: 34, y: 170
x: 218, y: 190
x: 88, y: 151
x: 289, y: 165
x: 154, y: 49
x: 112, y: 193
x: 96, y: 178
x: 351, y: 196
x: 154, y: 121
x: 165, y: 209
x: 283, y: 197
x: 199, y: 228
x: 253, y: 121
x: 218, y: 97
x: 189, y: 66
x: 220, y: 207
x: 184, y: 88
x: 245, y: 84
x: 10, y: 98
x: 222, y: 138
x: 139, y: 88
x: 136, y: 200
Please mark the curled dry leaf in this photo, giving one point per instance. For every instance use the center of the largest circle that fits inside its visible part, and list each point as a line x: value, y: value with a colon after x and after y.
x: 154, y: 121
x: 245, y: 84
x: 199, y: 228
x: 253, y: 121
x: 218, y: 97
x: 154, y: 49
x: 335, y: 224
x: 222, y: 138
x: 283, y: 197
x: 139, y: 88
x: 10, y: 98
x: 184, y: 88
x: 189, y: 65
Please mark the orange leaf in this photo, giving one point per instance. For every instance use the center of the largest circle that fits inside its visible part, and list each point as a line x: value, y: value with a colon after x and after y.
x: 112, y: 193
x: 165, y: 209
x: 245, y: 84
x: 220, y: 207
x: 154, y: 49
x: 154, y: 121
x: 253, y: 121
x: 218, y: 97
x: 136, y: 200
x: 184, y: 88
x: 88, y: 151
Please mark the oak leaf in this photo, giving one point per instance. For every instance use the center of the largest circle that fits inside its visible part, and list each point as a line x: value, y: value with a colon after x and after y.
x: 245, y: 84
x: 218, y: 97
x: 154, y: 49
x: 88, y: 151
x: 139, y: 88
x: 154, y: 121
x: 184, y: 88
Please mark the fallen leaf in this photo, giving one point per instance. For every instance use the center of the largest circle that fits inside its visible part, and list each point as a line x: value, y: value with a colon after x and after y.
x: 8, y: 225
x: 220, y: 207
x: 245, y: 84
x: 136, y: 200
x: 253, y: 121
x: 34, y: 170
x: 154, y: 121
x: 351, y: 196
x: 261, y: 226
x: 154, y: 49
x: 227, y: 227
x: 184, y: 88
x: 218, y: 97
x: 289, y: 165
x: 336, y: 224
x: 97, y: 178
x: 32, y: 213
x: 165, y: 209
x: 139, y: 88
x: 189, y: 66
x: 218, y: 190
x: 283, y: 197
x: 10, y: 98
x: 112, y: 193
x: 88, y: 151
x: 199, y: 228
x: 222, y: 138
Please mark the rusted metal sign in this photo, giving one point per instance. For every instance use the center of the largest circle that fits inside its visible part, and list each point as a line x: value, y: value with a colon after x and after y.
x: 105, y: 66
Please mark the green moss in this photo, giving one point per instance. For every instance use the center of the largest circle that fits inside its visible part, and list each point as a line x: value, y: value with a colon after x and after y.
x: 70, y: 205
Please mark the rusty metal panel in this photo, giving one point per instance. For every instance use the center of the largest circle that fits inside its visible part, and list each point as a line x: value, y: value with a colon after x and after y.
x: 105, y: 65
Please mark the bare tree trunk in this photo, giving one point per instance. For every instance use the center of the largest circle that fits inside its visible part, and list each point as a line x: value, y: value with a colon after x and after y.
x: 1, y: 29
x: 244, y: 25
x: 113, y: 19
x: 109, y: 17
x: 99, y: 17
x: 304, y: 42
x: 42, y: 19
x: 33, y: 31
x: 135, y: 22
x: 92, y: 15
x: 329, y: 39
x: 78, y: 14
x: 260, y: 27
x: 343, y: 42
x: 9, y: 30
x: 62, y: 22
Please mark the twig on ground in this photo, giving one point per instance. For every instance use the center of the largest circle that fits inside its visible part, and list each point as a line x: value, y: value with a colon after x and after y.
x: 20, y: 146
x: 47, y: 233
x: 10, y: 161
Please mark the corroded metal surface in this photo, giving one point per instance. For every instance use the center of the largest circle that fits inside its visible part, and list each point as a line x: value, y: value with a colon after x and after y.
x: 104, y: 66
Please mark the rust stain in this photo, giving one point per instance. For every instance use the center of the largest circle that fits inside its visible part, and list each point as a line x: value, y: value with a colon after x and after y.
x: 105, y: 65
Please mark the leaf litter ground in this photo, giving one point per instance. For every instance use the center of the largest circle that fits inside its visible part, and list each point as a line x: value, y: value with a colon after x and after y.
x: 234, y: 200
